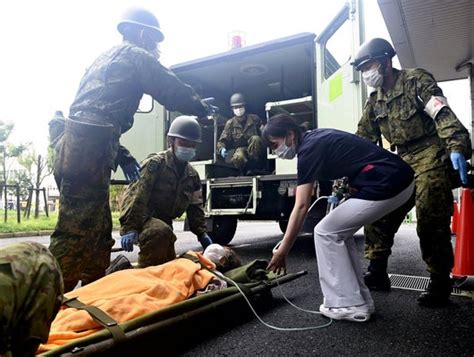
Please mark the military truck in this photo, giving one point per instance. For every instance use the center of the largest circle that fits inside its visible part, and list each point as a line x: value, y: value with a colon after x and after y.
x: 306, y: 76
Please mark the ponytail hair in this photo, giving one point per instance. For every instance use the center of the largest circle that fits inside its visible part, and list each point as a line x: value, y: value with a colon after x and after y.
x: 279, y: 126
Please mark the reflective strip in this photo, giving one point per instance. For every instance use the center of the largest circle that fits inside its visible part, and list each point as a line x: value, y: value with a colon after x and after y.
x: 434, y: 105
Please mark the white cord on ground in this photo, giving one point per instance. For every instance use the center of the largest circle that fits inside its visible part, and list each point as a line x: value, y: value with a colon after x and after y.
x: 276, y: 327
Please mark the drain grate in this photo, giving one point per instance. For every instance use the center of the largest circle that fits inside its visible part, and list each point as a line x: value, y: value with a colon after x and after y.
x: 416, y: 283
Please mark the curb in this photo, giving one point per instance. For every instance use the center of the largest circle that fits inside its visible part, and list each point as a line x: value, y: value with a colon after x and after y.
x: 25, y: 234
x: 30, y: 234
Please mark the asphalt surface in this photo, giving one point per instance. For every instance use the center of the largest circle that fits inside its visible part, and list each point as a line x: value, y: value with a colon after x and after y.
x: 399, y: 327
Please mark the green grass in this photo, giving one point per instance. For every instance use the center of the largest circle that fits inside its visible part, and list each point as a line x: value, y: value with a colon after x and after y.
x: 42, y: 223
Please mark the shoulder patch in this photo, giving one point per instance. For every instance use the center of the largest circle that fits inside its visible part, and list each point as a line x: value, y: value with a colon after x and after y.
x: 152, y: 166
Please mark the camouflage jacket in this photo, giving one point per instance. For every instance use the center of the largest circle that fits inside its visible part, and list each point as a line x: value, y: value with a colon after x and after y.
x: 113, y: 85
x: 399, y: 115
x: 164, y: 193
x: 236, y: 135
x: 31, y: 289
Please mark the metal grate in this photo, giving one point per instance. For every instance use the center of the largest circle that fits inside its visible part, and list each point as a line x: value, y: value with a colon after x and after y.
x: 416, y: 283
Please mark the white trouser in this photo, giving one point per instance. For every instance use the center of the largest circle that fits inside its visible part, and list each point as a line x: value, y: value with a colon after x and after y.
x: 339, y: 260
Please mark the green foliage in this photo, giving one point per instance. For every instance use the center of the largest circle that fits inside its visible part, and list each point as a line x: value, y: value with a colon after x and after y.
x: 5, y: 131
x: 8, y: 151
x: 42, y: 223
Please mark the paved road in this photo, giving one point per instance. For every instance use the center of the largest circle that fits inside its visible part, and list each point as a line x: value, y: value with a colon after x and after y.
x: 399, y: 328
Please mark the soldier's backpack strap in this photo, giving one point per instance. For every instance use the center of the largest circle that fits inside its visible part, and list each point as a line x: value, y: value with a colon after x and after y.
x: 99, y: 316
x: 245, y: 289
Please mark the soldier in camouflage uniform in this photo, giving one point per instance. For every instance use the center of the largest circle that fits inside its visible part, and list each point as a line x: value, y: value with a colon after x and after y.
x: 107, y: 99
x: 31, y: 291
x: 56, y: 127
x: 168, y: 187
x: 242, y: 134
x: 409, y: 110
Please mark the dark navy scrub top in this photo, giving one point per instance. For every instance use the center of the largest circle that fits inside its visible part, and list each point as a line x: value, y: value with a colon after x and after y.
x: 328, y: 154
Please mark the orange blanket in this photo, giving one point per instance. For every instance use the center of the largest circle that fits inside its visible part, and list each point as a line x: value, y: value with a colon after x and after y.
x: 128, y: 294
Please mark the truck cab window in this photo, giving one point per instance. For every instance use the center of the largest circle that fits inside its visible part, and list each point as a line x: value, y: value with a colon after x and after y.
x: 337, y: 50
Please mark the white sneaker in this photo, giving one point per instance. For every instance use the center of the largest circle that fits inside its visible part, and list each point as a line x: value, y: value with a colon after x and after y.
x: 351, y: 313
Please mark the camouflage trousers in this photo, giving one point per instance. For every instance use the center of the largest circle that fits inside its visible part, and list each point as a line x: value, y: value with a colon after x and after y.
x: 31, y: 291
x: 82, y: 240
x: 254, y: 151
x: 434, y: 207
x: 156, y: 242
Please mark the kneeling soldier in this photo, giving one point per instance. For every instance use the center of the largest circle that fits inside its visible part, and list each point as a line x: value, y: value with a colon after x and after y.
x: 168, y: 187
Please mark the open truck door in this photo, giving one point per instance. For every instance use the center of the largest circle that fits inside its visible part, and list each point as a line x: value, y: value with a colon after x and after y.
x: 340, y: 93
x: 147, y: 135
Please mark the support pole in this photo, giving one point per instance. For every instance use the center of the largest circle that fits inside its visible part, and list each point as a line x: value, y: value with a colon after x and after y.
x: 45, y: 202
x: 28, y: 203
x: 18, y: 208
x: 6, y: 202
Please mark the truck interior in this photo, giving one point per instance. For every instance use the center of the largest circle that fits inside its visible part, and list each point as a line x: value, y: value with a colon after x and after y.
x: 274, y: 71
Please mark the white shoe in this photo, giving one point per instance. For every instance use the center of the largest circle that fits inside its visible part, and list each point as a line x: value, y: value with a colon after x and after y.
x: 351, y: 313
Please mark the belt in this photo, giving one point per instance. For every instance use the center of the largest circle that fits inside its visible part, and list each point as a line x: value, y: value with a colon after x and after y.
x: 96, y: 119
x: 417, y: 144
x: 92, y: 117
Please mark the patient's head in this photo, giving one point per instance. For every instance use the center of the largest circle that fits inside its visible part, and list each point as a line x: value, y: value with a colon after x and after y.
x: 224, y: 258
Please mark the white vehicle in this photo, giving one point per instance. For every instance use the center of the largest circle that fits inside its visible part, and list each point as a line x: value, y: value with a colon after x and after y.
x: 306, y: 76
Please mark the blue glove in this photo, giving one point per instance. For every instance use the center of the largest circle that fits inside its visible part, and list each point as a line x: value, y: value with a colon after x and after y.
x: 131, y: 171
x: 224, y: 153
x: 128, y: 240
x: 459, y: 164
x: 333, y: 200
x: 205, y: 240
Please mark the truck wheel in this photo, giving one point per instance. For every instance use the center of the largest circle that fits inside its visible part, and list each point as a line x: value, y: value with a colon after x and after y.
x: 283, y: 226
x: 223, y: 229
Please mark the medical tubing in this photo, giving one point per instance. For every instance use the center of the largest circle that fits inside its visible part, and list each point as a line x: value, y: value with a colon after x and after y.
x: 296, y: 307
x: 267, y: 324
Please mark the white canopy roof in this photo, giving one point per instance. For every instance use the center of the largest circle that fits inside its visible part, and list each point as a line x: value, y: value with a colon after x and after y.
x: 437, y: 35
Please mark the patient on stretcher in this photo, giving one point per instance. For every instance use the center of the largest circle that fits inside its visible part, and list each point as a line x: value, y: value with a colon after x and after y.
x: 128, y: 294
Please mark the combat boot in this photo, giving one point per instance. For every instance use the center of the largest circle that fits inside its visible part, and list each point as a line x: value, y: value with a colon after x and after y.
x: 438, y: 291
x: 376, y: 277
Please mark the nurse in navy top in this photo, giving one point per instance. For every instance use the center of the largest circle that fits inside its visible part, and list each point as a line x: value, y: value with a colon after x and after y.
x: 380, y: 183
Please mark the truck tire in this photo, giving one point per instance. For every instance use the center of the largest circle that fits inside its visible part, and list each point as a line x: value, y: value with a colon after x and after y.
x: 223, y: 229
x: 283, y: 226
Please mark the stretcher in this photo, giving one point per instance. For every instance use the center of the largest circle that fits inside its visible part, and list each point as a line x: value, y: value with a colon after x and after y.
x: 166, y: 329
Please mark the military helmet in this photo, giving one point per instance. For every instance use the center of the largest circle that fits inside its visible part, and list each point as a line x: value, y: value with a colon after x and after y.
x: 58, y: 115
x: 373, y: 49
x: 185, y: 127
x: 143, y: 18
x: 237, y: 99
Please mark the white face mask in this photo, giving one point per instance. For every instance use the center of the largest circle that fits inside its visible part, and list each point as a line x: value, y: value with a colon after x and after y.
x: 372, y: 77
x: 150, y: 45
x: 185, y: 153
x: 285, y: 152
x: 215, y: 253
x: 239, y: 111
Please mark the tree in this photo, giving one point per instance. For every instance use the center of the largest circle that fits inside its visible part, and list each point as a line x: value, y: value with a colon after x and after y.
x: 8, y: 152
x: 38, y: 168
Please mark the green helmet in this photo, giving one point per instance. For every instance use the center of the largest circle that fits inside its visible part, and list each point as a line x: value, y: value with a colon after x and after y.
x: 373, y: 49
x: 185, y: 127
x: 237, y: 99
x: 142, y: 18
x: 58, y: 115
